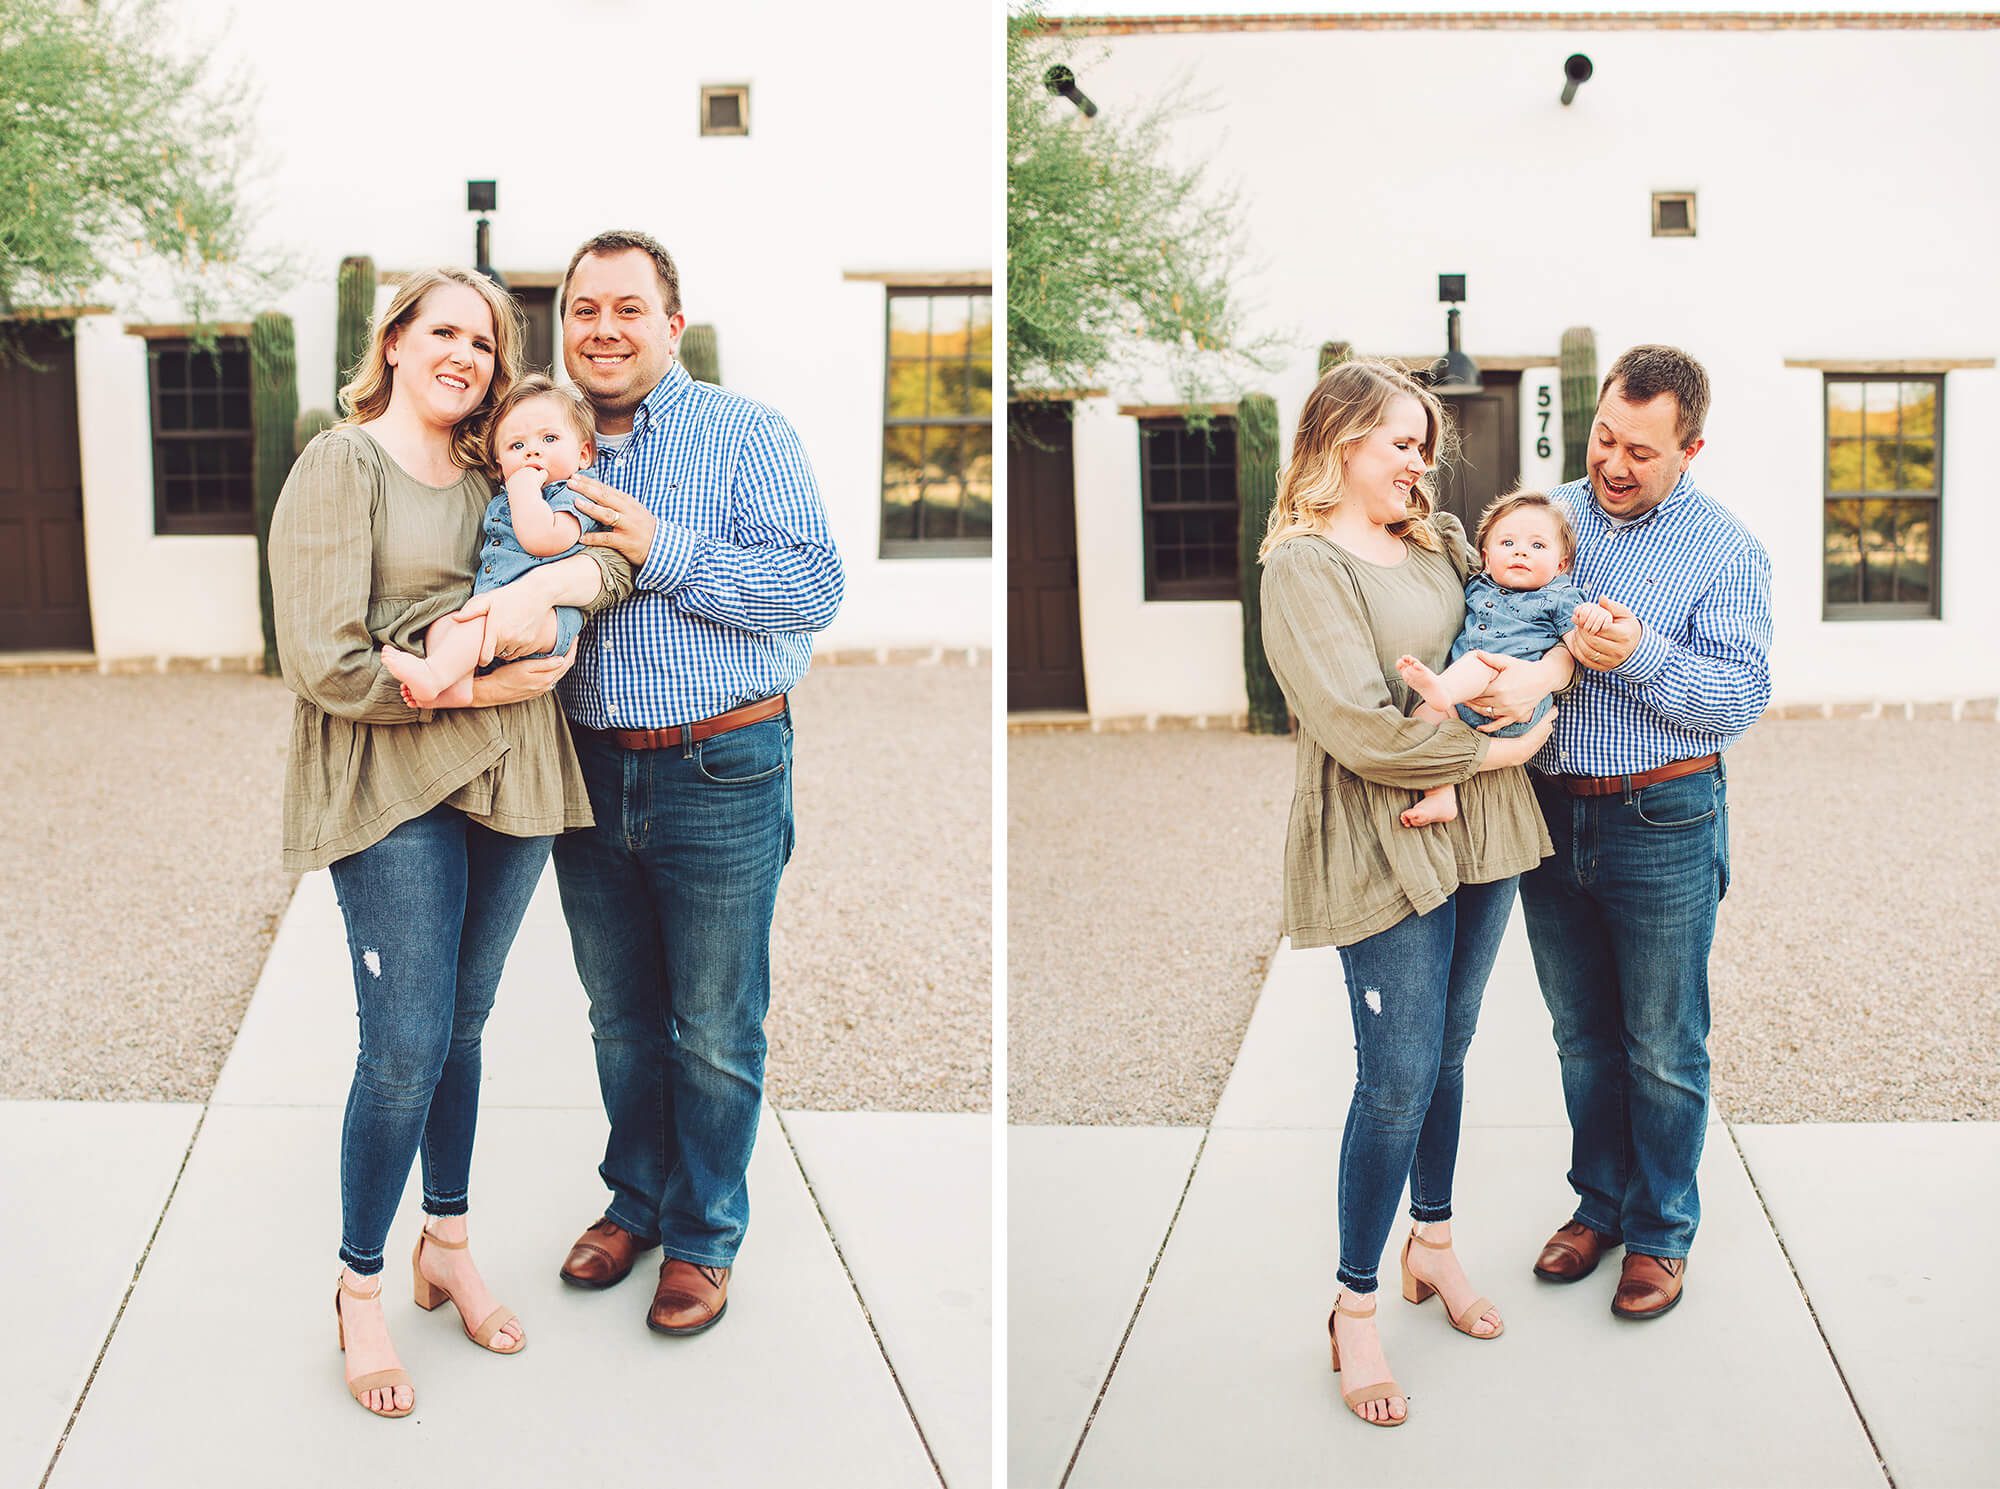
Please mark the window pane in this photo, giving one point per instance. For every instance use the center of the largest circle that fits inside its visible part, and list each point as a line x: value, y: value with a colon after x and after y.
x: 906, y: 388
x: 978, y: 507
x: 1878, y: 464
x: 909, y: 325
x: 1843, y: 409
x: 1843, y: 552
x: 1879, y: 414
x: 902, y: 482
x: 1919, y: 465
x: 1843, y: 465
x: 1896, y: 552
x: 1919, y: 409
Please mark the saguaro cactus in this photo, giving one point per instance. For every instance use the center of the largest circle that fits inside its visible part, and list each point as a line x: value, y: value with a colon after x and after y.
x: 701, y: 355
x: 1579, y: 390
x: 308, y: 424
x: 274, y: 408
x: 1332, y: 354
x: 1256, y: 490
x: 357, y: 304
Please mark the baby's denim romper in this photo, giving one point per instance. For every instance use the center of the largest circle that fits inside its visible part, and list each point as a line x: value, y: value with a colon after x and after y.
x: 1515, y: 623
x: 502, y: 559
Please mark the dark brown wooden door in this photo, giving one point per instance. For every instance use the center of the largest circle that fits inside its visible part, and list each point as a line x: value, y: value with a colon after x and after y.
x: 1044, y: 623
x: 538, y: 307
x: 44, y: 603
x: 1489, y: 453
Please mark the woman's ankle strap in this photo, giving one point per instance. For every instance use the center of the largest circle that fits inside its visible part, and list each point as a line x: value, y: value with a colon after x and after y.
x: 1425, y: 1241
x: 355, y: 1292
x: 437, y: 1240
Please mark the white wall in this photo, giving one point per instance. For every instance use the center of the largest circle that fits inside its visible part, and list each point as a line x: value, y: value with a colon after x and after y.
x: 1140, y: 657
x: 1844, y: 211
x: 870, y: 149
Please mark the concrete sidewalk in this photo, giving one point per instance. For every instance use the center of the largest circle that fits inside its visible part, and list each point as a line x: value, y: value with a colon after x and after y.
x: 856, y: 1351
x: 1168, y: 1292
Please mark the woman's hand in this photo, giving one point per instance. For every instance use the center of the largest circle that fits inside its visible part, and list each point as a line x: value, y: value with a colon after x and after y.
x: 628, y: 526
x: 1519, y: 749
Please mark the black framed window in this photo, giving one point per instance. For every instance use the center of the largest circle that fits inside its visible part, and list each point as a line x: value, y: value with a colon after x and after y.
x: 937, y: 425
x: 1884, y: 495
x: 1187, y: 486
x: 202, y: 440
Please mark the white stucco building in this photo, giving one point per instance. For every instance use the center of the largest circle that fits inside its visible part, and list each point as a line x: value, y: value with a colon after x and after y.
x: 1840, y: 180
x: 861, y: 193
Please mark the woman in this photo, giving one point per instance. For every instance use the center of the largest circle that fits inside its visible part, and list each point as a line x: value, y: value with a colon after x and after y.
x: 435, y: 826
x: 1357, y: 571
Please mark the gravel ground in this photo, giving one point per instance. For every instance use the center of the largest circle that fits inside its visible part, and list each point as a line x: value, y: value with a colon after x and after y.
x: 1852, y: 974
x: 135, y: 914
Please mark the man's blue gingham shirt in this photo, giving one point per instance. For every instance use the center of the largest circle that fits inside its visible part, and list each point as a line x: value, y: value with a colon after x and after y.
x: 742, y: 567
x: 1700, y: 675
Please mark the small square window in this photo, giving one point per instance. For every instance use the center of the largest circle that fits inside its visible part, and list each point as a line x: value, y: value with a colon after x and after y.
x: 726, y: 110
x: 1673, y: 214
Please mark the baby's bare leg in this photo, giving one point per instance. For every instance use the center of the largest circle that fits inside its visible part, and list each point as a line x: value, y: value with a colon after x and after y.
x: 1439, y: 804
x: 451, y: 653
x: 1461, y: 682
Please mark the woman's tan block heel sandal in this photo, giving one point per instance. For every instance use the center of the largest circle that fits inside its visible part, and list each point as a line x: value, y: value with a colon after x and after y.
x: 1416, y: 1290
x: 1366, y: 1394
x: 429, y: 1295
x: 375, y: 1380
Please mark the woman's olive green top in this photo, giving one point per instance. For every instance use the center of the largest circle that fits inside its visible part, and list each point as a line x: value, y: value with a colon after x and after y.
x: 1334, y: 625
x: 363, y: 553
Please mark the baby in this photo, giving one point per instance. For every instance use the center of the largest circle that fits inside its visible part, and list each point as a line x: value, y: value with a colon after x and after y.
x: 539, y: 433
x: 1517, y: 607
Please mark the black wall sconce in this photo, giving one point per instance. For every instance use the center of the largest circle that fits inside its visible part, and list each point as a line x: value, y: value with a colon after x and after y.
x: 483, y: 197
x: 1576, y: 72
x: 1062, y: 82
x: 1454, y: 372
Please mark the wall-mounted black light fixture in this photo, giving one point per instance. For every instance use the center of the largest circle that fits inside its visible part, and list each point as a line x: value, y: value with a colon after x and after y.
x: 1576, y: 72
x: 1454, y: 372
x: 483, y: 197
x: 1062, y: 82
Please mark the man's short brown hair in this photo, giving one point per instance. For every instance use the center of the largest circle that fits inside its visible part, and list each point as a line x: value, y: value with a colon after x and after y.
x: 619, y: 241
x: 538, y: 385
x: 1514, y: 501
x: 1645, y: 372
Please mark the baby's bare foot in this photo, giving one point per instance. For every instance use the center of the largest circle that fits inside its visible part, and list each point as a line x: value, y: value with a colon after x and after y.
x: 1423, y: 682
x: 413, y: 673
x: 1440, y: 804
x: 1362, y: 1363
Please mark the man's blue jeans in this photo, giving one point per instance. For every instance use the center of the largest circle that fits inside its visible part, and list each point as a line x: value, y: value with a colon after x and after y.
x: 1414, y: 990
x: 1620, y: 919
x: 669, y: 900
x: 430, y: 910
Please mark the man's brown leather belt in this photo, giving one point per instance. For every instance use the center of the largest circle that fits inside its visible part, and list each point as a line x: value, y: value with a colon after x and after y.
x: 679, y: 734
x: 1618, y: 785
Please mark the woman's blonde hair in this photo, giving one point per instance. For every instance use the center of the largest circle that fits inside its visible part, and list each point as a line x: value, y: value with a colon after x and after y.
x: 366, y: 397
x: 1343, y: 409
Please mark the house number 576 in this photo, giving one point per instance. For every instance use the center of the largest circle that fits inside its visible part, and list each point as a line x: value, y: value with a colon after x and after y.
x: 1542, y: 402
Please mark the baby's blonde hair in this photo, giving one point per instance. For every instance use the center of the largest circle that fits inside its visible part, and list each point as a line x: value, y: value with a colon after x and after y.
x: 539, y: 385
x: 1514, y: 501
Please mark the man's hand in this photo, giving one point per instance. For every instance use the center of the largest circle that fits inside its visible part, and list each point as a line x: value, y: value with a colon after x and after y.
x: 1604, y: 649
x: 628, y: 526
x: 1512, y: 695
x: 513, y: 613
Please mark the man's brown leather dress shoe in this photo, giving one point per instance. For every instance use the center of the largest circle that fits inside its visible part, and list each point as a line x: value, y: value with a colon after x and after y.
x: 689, y: 1298
x: 603, y: 1255
x: 1648, y: 1286
x: 1572, y: 1253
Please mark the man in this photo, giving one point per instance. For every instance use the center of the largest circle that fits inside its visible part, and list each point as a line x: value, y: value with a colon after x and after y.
x: 1632, y: 784
x: 677, y: 704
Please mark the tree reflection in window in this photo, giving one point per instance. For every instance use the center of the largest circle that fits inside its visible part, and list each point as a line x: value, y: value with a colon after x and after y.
x: 1883, y: 444
x: 937, y: 438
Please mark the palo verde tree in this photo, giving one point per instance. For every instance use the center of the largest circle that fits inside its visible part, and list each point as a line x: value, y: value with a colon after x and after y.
x: 1118, y: 258
x: 120, y: 162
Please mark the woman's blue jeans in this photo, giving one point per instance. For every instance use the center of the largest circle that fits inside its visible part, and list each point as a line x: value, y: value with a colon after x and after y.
x: 431, y: 911
x: 1414, y: 990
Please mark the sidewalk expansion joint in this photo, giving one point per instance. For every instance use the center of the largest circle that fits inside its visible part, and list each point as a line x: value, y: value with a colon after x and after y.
x: 867, y: 1317
x: 1132, y: 1322
x: 1811, y: 1312
x: 124, y: 1302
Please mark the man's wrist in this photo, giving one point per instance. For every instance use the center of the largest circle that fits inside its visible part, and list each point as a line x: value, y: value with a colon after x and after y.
x: 1648, y: 659
x: 671, y: 561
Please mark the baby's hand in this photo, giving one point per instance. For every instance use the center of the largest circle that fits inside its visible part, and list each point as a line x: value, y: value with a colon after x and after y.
x: 1592, y: 618
x: 526, y: 482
